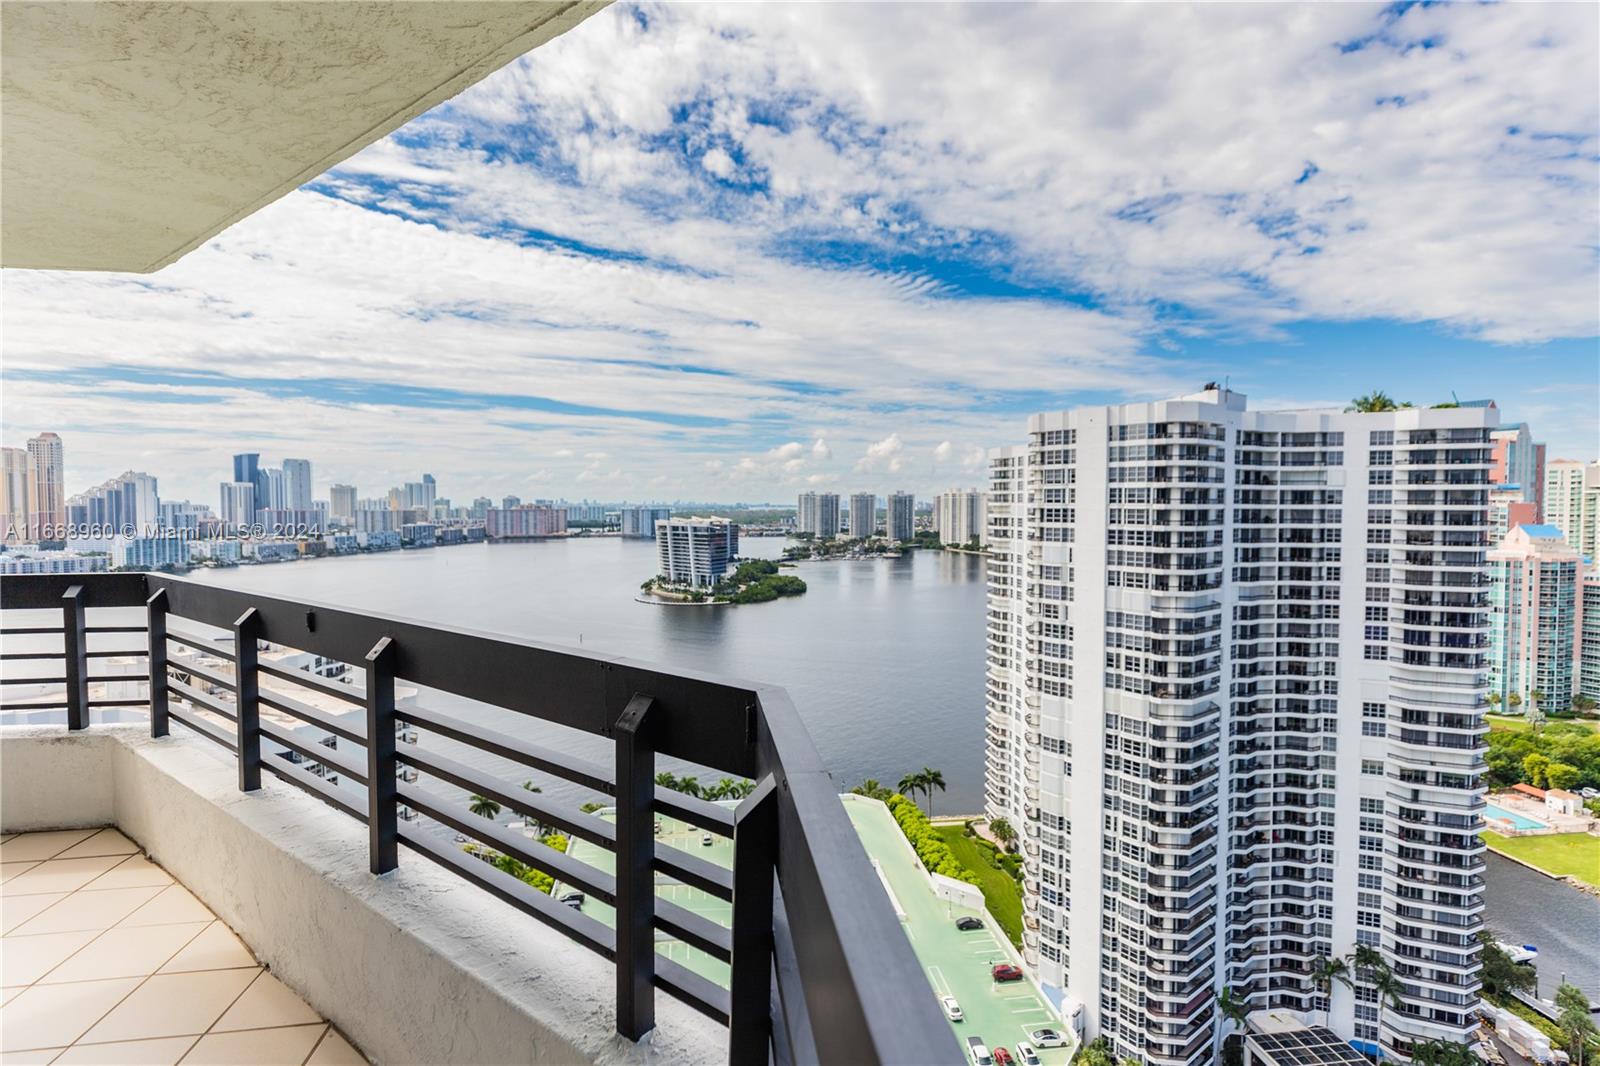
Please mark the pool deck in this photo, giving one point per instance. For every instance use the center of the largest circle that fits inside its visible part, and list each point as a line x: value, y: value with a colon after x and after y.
x: 957, y: 963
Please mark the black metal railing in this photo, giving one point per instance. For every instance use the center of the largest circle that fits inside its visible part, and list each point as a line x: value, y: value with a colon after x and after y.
x: 819, y: 969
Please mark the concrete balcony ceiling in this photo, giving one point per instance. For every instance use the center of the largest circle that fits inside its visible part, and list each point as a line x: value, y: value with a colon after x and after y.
x: 134, y: 132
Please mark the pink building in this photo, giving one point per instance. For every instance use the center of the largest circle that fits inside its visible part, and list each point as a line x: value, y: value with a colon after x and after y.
x: 1517, y: 459
x: 1536, y: 616
x: 525, y: 522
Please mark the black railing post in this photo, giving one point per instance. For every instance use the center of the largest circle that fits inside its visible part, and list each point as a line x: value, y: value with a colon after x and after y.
x: 755, y: 861
x: 636, y: 889
x: 383, y: 823
x: 74, y: 645
x: 247, y: 698
x: 155, y: 609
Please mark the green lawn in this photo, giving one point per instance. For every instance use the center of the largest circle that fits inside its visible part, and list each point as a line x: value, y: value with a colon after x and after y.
x: 1000, y: 890
x: 1519, y: 724
x: 1577, y: 854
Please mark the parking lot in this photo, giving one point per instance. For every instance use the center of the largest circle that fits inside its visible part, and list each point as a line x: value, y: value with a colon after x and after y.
x: 957, y: 962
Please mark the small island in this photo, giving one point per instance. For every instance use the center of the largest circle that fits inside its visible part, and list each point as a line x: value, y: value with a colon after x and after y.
x: 752, y: 581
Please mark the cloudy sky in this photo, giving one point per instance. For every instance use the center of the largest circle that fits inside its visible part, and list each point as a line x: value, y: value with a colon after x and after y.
x: 730, y: 252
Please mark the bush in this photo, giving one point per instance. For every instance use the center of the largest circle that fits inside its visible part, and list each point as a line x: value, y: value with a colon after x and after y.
x: 929, y: 846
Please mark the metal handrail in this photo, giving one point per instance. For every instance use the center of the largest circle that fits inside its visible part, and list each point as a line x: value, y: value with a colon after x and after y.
x: 820, y: 968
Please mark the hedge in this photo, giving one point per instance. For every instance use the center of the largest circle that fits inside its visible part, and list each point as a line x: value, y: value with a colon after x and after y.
x: 929, y: 846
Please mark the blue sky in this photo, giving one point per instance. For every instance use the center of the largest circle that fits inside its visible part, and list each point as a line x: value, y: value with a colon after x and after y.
x: 734, y: 252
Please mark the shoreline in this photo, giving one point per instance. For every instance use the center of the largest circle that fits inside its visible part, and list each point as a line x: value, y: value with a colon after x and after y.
x: 1568, y: 879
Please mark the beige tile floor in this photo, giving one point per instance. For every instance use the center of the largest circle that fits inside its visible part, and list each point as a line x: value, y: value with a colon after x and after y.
x: 104, y: 958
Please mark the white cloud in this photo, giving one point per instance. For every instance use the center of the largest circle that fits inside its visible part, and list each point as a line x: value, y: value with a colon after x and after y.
x: 1149, y: 169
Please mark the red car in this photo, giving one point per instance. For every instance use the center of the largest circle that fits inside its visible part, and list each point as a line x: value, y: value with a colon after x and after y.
x: 1002, y: 1057
x: 1006, y: 972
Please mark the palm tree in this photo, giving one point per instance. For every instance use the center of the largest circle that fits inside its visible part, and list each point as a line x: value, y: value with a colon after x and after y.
x: 1493, y: 699
x: 1443, y: 1053
x: 1365, y: 959
x: 538, y: 826
x: 910, y: 785
x: 1388, y: 986
x: 1576, y: 1023
x: 872, y: 789
x: 1326, y: 970
x: 1582, y: 704
x: 931, y: 779
x: 1003, y: 831
x: 1536, y: 709
x: 1514, y: 700
x: 1232, y: 1008
x: 1375, y: 401
x: 484, y: 807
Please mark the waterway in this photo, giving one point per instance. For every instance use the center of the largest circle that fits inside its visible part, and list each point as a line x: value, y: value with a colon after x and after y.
x: 883, y: 658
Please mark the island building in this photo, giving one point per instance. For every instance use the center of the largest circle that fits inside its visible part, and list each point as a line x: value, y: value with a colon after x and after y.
x: 818, y: 514
x: 959, y: 515
x: 1535, y: 616
x: 13, y: 494
x: 640, y: 521
x: 863, y: 514
x: 899, y: 517
x: 1572, y: 502
x: 696, y: 551
x: 1235, y: 688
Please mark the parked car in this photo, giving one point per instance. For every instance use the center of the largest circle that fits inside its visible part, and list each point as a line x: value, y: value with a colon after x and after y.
x: 1047, y: 1038
x: 1006, y: 972
x: 978, y: 1053
x: 969, y: 923
x: 952, y: 1009
x: 1002, y: 1057
x: 705, y: 841
x: 573, y: 899
x: 1026, y: 1056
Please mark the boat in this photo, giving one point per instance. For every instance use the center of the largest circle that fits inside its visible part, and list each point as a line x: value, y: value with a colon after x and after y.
x: 1518, y: 953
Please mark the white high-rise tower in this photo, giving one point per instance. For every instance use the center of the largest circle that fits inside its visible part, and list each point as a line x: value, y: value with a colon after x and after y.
x: 1235, y: 690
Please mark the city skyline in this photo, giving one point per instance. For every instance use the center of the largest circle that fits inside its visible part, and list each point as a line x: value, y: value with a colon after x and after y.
x: 759, y: 266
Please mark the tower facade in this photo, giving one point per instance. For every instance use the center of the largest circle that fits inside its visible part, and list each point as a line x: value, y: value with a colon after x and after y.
x: 1236, y: 673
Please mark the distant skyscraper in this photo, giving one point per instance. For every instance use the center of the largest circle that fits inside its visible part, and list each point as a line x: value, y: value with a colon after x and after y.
x: 818, y: 514
x: 14, y: 512
x: 641, y: 521
x: 237, y: 505
x: 245, y: 465
x: 1534, y: 616
x: 1572, y: 502
x: 696, y: 551
x: 47, y: 497
x: 297, y: 484
x: 480, y: 508
x: 1518, y: 460
x: 524, y: 522
x: 342, y: 502
x: 509, y: 502
x: 863, y: 514
x: 959, y: 515
x: 899, y: 517
x: 430, y: 492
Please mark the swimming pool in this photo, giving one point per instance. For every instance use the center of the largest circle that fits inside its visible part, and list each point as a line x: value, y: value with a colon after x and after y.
x: 1517, y: 821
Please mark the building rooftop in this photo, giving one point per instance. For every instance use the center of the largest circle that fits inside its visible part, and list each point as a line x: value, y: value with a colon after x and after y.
x: 1279, y: 1038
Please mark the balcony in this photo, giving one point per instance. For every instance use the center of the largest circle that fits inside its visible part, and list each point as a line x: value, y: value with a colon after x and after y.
x: 453, y: 960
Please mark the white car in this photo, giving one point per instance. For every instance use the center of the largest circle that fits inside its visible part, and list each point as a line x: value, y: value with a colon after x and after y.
x: 1047, y: 1038
x: 1026, y: 1056
x: 978, y: 1053
x: 952, y: 1009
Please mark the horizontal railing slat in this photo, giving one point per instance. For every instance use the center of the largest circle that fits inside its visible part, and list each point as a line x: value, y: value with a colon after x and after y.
x: 686, y: 986
x: 574, y: 823
x: 203, y: 727
x: 33, y: 680
x: 593, y: 934
x: 307, y: 781
x: 535, y: 853
x: 113, y: 629
x: 580, y: 771
x: 13, y: 655
x: 312, y: 715
x: 202, y: 699
x: 350, y: 694
x: 55, y: 706
x: 318, y: 753
x: 188, y: 665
